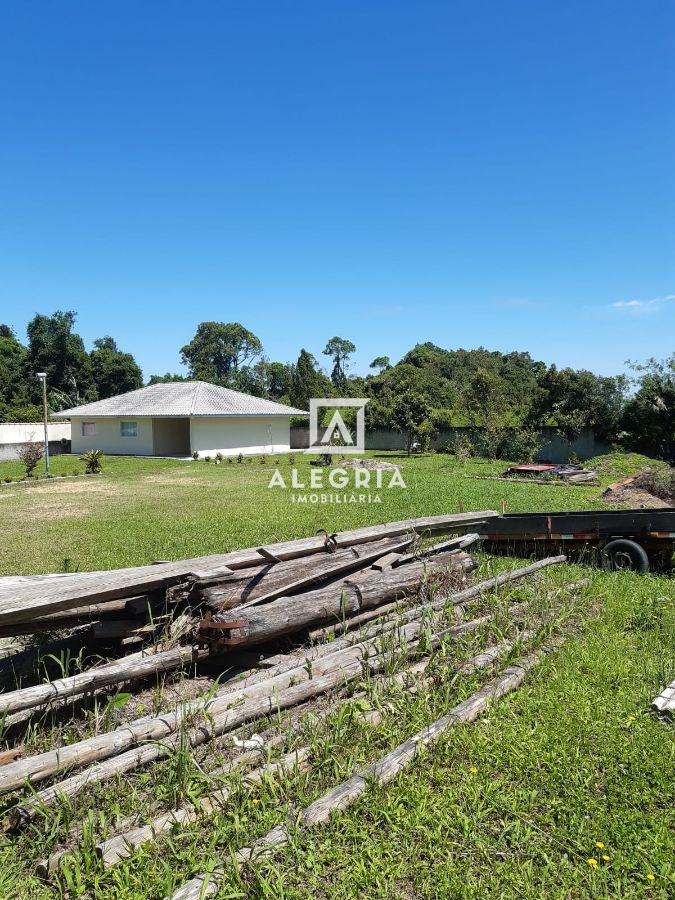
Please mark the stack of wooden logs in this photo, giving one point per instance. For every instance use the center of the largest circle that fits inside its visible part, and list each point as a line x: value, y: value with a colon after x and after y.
x: 282, y: 624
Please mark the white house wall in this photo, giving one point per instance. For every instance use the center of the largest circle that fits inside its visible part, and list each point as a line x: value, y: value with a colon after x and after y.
x: 109, y: 439
x: 231, y: 435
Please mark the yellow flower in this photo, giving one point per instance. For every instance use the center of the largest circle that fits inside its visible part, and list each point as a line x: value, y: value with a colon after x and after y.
x: 605, y: 857
x: 631, y: 718
x: 473, y: 770
x: 255, y: 800
x: 650, y: 877
x: 593, y: 863
x: 599, y: 845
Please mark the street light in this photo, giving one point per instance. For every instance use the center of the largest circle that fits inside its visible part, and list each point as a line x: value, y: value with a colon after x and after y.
x: 43, y: 378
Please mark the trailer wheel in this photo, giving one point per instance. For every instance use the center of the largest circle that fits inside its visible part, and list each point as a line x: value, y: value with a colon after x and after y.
x: 624, y: 556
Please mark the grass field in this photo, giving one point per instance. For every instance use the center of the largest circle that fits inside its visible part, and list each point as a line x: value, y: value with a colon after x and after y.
x: 512, y: 806
x: 140, y: 510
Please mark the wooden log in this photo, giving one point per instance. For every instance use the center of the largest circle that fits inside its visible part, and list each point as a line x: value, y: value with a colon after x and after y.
x: 380, y: 772
x: 122, y: 670
x: 121, y: 846
x: 261, y: 585
x: 21, y: 603
x: 289, y: 615
x: 223, y: 713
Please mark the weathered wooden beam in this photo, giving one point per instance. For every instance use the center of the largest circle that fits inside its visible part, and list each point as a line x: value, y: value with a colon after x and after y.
x: 22, y: 602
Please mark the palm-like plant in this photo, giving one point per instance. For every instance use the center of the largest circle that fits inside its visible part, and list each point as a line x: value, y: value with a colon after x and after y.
x: 92, y: 461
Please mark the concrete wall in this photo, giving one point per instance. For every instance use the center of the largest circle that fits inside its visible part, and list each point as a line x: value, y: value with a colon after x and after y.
x: 109, y: 439
x: 555, y: 448
x: 13, y: 435
x: 231, y: 435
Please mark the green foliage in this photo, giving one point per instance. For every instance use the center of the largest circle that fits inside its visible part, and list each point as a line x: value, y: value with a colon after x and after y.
x: 114, y: 372
x: 93, y: 461
x: 339, y: 349
x: 307, y: 381
x: 218, y: 350
x: 410, y: 414
x: 649, y: 418
x: 30, y: 455
x: 382, y: 363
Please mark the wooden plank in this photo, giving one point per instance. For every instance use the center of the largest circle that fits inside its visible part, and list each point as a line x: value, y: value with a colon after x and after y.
x: 22, y: 602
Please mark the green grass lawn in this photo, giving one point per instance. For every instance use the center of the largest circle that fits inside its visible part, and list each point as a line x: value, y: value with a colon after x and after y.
x: 573, y: 758
x: 144, y: 509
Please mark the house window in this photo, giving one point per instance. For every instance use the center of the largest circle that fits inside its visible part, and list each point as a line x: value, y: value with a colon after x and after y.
x: 88, y: 429
x: 128, y: 429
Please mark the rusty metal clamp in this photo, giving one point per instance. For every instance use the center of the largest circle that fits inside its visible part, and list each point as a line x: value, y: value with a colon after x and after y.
x: 330, y: 540
x: 211, y: 634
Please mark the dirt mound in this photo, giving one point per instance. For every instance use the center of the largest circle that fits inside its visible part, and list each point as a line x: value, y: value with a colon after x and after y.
x: 366, y: 464
x: 647, y: 490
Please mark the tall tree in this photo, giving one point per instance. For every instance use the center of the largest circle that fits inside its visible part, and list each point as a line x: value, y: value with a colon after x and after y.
x: 339, y: 349
x: 382, y: 363
x: 649, y: 417
x: 55, y: 348
x: 15, y: 400
x: 307, y: 381
x: 411, y: 414
x: 114, y: 372
x: 218, y: 350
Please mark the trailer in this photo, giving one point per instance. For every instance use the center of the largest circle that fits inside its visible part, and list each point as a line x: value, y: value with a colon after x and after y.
x: 638, y: 540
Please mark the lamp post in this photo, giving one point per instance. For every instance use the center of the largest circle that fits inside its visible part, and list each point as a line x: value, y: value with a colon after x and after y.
x: 43, y: 378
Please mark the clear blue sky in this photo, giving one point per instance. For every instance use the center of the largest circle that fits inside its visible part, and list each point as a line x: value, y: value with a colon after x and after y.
x: 477, y: 173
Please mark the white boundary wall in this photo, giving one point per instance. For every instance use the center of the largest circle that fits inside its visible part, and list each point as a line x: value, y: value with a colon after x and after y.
x: 14, y: 434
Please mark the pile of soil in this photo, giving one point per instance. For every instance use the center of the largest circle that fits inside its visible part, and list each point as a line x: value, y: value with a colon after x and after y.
x: 366, y: 464
x: 638, y: 491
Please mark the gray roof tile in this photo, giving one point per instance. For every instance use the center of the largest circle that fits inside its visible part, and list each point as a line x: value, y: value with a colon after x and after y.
x: 182, y: 398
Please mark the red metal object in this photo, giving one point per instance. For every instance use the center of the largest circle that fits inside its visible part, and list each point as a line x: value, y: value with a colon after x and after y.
x: 212, y: 634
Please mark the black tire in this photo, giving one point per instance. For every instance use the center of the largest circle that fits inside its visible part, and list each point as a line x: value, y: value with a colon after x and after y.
x: 624, y: 556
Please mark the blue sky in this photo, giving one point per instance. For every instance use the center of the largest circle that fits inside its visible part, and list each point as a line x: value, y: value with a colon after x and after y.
x: 484, y: 173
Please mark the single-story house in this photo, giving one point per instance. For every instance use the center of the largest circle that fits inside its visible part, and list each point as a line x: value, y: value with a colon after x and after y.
x: 178, y: 418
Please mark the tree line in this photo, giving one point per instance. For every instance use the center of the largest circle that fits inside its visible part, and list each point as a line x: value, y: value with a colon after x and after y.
x: 429, y: 388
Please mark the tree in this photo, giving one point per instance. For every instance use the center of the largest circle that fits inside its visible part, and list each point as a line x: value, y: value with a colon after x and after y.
x: 649, y: 417
x: 573, y: 400
x: 54, y: 348
x: 167, y: 377
x: 339, y: 349
x: 382, y: 363
x: 114, y: 372
x: 13, y: 356
x: 218, y: 350
x: 410, y: 413
x: 30, y: 455
x: 307, y: 381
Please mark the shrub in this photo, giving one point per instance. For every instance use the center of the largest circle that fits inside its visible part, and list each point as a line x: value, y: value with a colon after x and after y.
x: 30, y: 455
x: 240, y: 457
x: 262, y: 460
x: 219, y: 457
x: 291, y: 458
x: 207, y: 459
x: 195, y: 454
x: 92, y: 460
x: 230, y: 460
x: 8, y: 479
x: 522, y: 445
x: 659, y: 482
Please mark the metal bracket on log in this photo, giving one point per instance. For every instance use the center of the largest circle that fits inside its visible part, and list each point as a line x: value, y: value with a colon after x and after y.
x: 329, y: 541
x: 214, y: 634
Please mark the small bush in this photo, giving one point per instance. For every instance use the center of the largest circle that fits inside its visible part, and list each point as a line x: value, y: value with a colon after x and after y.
x: 660, y: 483
x: 262, y: 460
x: 230, y: 460
x: 219, y: 457
x: 8, y: 479
x: 195, y: 454
x: 92, y: 460
x: 240, y: 457
x: 291, y: 458
x: 207, y: 459
x: 30, y: 455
